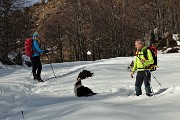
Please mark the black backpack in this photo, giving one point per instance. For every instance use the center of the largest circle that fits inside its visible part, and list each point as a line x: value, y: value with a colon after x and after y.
x: 153, y: 50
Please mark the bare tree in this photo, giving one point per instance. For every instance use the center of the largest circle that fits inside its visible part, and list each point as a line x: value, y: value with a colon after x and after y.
x: 107, y: 28
x: 13, y: 22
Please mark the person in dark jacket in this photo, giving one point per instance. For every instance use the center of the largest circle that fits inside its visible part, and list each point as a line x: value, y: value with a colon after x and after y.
x: 35, y: 59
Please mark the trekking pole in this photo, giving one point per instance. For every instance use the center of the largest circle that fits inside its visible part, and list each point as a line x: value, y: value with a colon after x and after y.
x: 152, y: 74
x: 49, y: 60
x: 51, y: 65
x: 156, y: 79
x: 22, y: 114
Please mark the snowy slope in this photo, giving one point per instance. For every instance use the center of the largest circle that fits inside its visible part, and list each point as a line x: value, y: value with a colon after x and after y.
x: 54, y: 99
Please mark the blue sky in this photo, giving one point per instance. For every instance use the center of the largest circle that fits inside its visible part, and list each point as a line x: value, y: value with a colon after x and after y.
x: 33, y: 1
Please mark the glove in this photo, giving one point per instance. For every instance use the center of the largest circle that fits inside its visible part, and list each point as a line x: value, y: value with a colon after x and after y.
x: 46, y: 51
x: 132, y: 73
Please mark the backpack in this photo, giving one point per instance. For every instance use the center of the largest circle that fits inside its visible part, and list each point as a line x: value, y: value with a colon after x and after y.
x: 28, y: 47
x: 153, y: 50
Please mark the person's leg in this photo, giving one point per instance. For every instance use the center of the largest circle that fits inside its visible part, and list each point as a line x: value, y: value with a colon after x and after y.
x: 138, y: 83
x: 39, y: 67
x: 147, y: 80
x: 34, y: 66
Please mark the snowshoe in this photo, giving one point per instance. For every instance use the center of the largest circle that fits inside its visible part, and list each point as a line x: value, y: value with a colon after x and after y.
x: 35, y: 78
x: 39, y: 79
x: 149, y: 94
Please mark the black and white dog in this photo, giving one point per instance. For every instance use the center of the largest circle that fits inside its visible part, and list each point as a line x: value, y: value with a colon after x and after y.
x: 79, y: 89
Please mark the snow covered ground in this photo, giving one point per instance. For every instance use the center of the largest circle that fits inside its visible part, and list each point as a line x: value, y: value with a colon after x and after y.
x: 22, y: 98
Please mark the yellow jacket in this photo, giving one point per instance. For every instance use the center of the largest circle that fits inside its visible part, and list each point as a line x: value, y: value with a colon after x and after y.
x: 138, y: 65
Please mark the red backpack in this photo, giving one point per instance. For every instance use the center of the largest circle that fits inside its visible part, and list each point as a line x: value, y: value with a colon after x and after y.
x: 28, y: 47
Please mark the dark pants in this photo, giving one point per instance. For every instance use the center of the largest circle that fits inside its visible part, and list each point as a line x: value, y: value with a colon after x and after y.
x: 36, y: 66
x: 143, y: 76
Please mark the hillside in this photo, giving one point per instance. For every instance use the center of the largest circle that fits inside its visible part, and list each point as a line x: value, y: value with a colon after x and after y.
x: 43, y: 11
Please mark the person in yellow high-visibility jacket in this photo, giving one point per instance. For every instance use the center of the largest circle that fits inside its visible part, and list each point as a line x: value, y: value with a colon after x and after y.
x: 141, y: 64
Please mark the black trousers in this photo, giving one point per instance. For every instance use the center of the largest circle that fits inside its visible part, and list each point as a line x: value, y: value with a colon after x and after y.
x: 143, y: 76
x: 36, y: 66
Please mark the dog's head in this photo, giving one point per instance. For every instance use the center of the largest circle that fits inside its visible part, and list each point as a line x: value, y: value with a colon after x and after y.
x: 85, y: 74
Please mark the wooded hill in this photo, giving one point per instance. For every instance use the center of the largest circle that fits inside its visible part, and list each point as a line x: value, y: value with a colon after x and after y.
x: 107, y: 28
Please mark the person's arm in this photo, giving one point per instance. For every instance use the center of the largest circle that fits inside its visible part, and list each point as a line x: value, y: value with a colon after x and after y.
x: 150, y: 58
x: 134, y: 67
x: 36, y: 45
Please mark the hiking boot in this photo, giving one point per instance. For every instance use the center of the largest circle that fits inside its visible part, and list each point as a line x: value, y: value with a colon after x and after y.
x: 149, y: 94
x: 35, y: 78
x: 39, y: 79
x: 138, y: 94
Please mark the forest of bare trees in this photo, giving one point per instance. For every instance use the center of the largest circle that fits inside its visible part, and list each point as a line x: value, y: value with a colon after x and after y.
x: 14, y: 26
x: 107, y: 28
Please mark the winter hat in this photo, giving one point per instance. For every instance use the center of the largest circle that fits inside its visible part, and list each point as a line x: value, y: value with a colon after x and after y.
x: 35, y: 34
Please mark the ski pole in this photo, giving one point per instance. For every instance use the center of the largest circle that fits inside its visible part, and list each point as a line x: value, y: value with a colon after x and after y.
x: 49, y: 61
x: 151, y: 74
x: 22, y: 114
x: 156, y: 79
x: 51, y: 65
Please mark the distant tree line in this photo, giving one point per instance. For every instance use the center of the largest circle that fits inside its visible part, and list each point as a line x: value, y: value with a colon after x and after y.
x: 15, y: 24
x: 107, y: 28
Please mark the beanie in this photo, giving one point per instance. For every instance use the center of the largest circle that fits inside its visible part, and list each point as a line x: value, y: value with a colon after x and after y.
x: 35, y: 35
